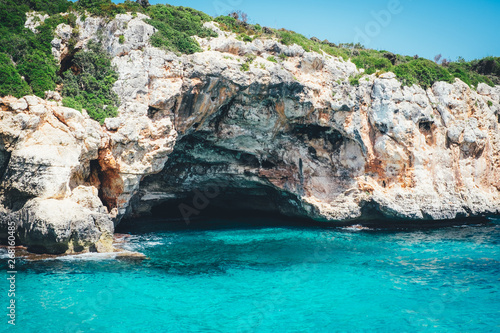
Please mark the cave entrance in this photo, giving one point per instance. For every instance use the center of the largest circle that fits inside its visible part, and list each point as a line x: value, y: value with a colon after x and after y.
x: 205, y: 181
x: 67, y: 62
x: 213, y: 205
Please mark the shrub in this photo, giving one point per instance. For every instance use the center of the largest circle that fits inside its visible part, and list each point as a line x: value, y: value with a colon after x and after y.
x: 91, y: 88
x: 39, y: 71
x: 290, y: 37
x: 70, y: 102
x: 230, y: 23
x: 175, y: 27
x: 464, y: 71
x: 422, y: 72
x: 246, y: 38
x: 372, y: 61
x: 11, y: 82
x: 106, y: 8
x: 490, y: 103
x: 121, y: 39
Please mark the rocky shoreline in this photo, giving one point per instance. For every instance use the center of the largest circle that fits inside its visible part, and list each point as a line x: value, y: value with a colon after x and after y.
x: 290, y: 137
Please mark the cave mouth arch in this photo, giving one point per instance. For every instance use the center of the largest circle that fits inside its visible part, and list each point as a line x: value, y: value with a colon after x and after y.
x: 252, y: 205
x: 262, y: 206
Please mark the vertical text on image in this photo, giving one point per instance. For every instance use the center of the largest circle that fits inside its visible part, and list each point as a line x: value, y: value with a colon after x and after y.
x: 11, y: 272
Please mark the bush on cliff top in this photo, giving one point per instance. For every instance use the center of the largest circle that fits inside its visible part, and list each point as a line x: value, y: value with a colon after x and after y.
x: 422, y: 72
x: 176, y: 26
x: 106, y: 8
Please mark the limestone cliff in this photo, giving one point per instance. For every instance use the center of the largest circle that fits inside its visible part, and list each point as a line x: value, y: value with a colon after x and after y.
x: 291, y: 136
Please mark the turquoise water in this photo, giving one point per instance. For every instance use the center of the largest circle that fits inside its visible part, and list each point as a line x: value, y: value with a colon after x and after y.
x: 271, y: 279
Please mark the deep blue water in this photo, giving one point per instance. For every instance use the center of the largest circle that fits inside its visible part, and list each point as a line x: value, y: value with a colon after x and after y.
x: 271, y: 279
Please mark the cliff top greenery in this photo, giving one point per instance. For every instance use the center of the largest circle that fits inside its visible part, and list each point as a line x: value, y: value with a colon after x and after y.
x: 409, y: 69
x: 28, y: 67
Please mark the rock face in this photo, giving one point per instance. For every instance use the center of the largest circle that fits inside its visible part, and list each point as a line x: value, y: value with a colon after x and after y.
x: 49, y: 187
x: 291, y: 136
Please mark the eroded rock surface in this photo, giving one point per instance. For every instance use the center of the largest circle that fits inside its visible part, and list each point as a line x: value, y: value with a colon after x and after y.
x: 47, y: 184
x: 291, y: 136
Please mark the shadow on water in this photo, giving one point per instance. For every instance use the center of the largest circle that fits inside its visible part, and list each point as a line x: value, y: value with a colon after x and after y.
x: 221, y: 220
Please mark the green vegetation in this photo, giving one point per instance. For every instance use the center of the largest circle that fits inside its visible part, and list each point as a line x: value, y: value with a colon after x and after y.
x: 106, y: 8
x: 229, y: 23
x: 245, y: 38
x: 272, y: 59
x: 422, y: 72
x: 24, y: 53
x: 249, y: 59
x: 287, y: 37
x: 39, y: 72
x: 372, y: 61
x: 11, y: 82
x: 245, y: 67
x: 490, y: 103
x: 354, y: 80
x: 31, y: 52
x: 410, y: 70
x: 176, y: 26
x: 91, y: 86
x: 28, y: 67
x: 414, y: 70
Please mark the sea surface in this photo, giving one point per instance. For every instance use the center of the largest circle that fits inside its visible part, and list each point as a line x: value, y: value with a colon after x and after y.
x: 218, y: 276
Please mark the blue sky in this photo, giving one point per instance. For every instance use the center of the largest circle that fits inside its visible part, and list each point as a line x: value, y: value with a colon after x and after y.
x: 470, y: 29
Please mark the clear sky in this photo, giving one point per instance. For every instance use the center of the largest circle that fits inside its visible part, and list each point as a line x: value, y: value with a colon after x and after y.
x: 470, y: 29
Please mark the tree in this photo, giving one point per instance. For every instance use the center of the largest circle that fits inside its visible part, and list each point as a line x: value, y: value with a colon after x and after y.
x: 437, y: 57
